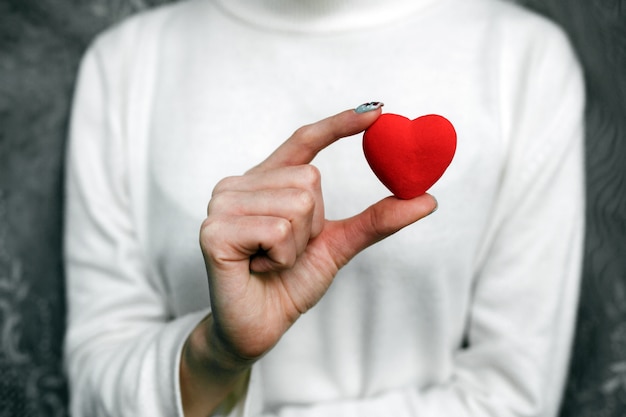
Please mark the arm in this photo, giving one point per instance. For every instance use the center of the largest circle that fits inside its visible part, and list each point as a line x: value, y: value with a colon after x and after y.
x: 122, y: 349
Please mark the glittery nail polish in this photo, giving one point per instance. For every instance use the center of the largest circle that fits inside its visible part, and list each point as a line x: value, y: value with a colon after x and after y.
x: 372, y: 105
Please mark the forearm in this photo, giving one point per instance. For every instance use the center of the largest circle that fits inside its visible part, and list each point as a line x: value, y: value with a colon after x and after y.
x: 208, y: 375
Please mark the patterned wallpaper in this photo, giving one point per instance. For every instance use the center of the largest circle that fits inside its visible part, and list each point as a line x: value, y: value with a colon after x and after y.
x: 40, y: 45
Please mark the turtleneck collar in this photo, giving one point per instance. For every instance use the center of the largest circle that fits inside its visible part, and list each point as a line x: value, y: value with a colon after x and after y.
x: 318, y: 16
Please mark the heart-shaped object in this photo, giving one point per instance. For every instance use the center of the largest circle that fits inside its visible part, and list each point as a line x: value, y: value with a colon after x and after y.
x: 409, y: 156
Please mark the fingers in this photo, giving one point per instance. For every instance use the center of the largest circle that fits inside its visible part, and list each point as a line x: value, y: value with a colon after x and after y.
x: 305, y: 178
x: 350, y: 236
x: 295, y: 206
x: 267, y: 218
x: 309, y: 140
x: 228, y: 241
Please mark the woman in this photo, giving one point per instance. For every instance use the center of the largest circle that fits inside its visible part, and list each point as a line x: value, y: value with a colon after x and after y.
x: 468, y: 312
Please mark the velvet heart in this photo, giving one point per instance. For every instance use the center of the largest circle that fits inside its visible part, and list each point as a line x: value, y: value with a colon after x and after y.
x: 409, y: 156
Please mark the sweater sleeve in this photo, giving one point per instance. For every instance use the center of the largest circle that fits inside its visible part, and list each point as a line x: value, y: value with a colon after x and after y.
x: 122, y: 346
x: 523, y: 308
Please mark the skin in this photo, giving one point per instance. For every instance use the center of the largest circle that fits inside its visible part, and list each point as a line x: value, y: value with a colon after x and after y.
x: 271, y: 255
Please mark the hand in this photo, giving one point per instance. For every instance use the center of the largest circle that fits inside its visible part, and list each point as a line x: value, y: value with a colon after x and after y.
x: 271, y: 255
x: 269, y: 251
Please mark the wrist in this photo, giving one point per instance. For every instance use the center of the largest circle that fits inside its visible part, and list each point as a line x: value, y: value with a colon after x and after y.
x: 208, y: 349
x: 208, y: 376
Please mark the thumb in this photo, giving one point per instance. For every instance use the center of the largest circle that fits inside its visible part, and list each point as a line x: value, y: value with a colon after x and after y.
x: 350, y: 236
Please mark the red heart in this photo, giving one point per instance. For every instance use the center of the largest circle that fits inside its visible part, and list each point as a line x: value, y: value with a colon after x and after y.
x: 409, y: 156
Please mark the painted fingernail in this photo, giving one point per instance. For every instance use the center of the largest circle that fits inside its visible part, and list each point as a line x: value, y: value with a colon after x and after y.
x: 372, y: 105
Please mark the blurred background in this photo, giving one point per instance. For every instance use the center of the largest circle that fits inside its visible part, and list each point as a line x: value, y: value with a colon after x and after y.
x: 41, y: 42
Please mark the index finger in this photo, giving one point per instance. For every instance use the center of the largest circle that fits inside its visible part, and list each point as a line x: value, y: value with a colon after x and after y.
x: 309, y: 140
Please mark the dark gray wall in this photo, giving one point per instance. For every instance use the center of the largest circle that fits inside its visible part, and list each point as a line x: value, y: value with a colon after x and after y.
x: 40, y: 45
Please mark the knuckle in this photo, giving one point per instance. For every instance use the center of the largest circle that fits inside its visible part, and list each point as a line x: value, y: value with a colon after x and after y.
x: 381, y: 223
x: 211, y: 240
x: 282, y: 230
x: 224, y: 184
x: 208, y: 231
x: 306, y: 136
x: 284, y: 260
x: 303, y: 201
x: 303, y: 132
x: 310, y: 176
x: 220, y: 203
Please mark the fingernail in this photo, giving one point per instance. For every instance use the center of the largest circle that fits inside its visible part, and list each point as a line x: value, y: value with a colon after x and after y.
x: 372, y: 105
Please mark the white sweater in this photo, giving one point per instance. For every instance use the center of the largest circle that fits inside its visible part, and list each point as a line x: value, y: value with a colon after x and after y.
x: 469, y: 312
